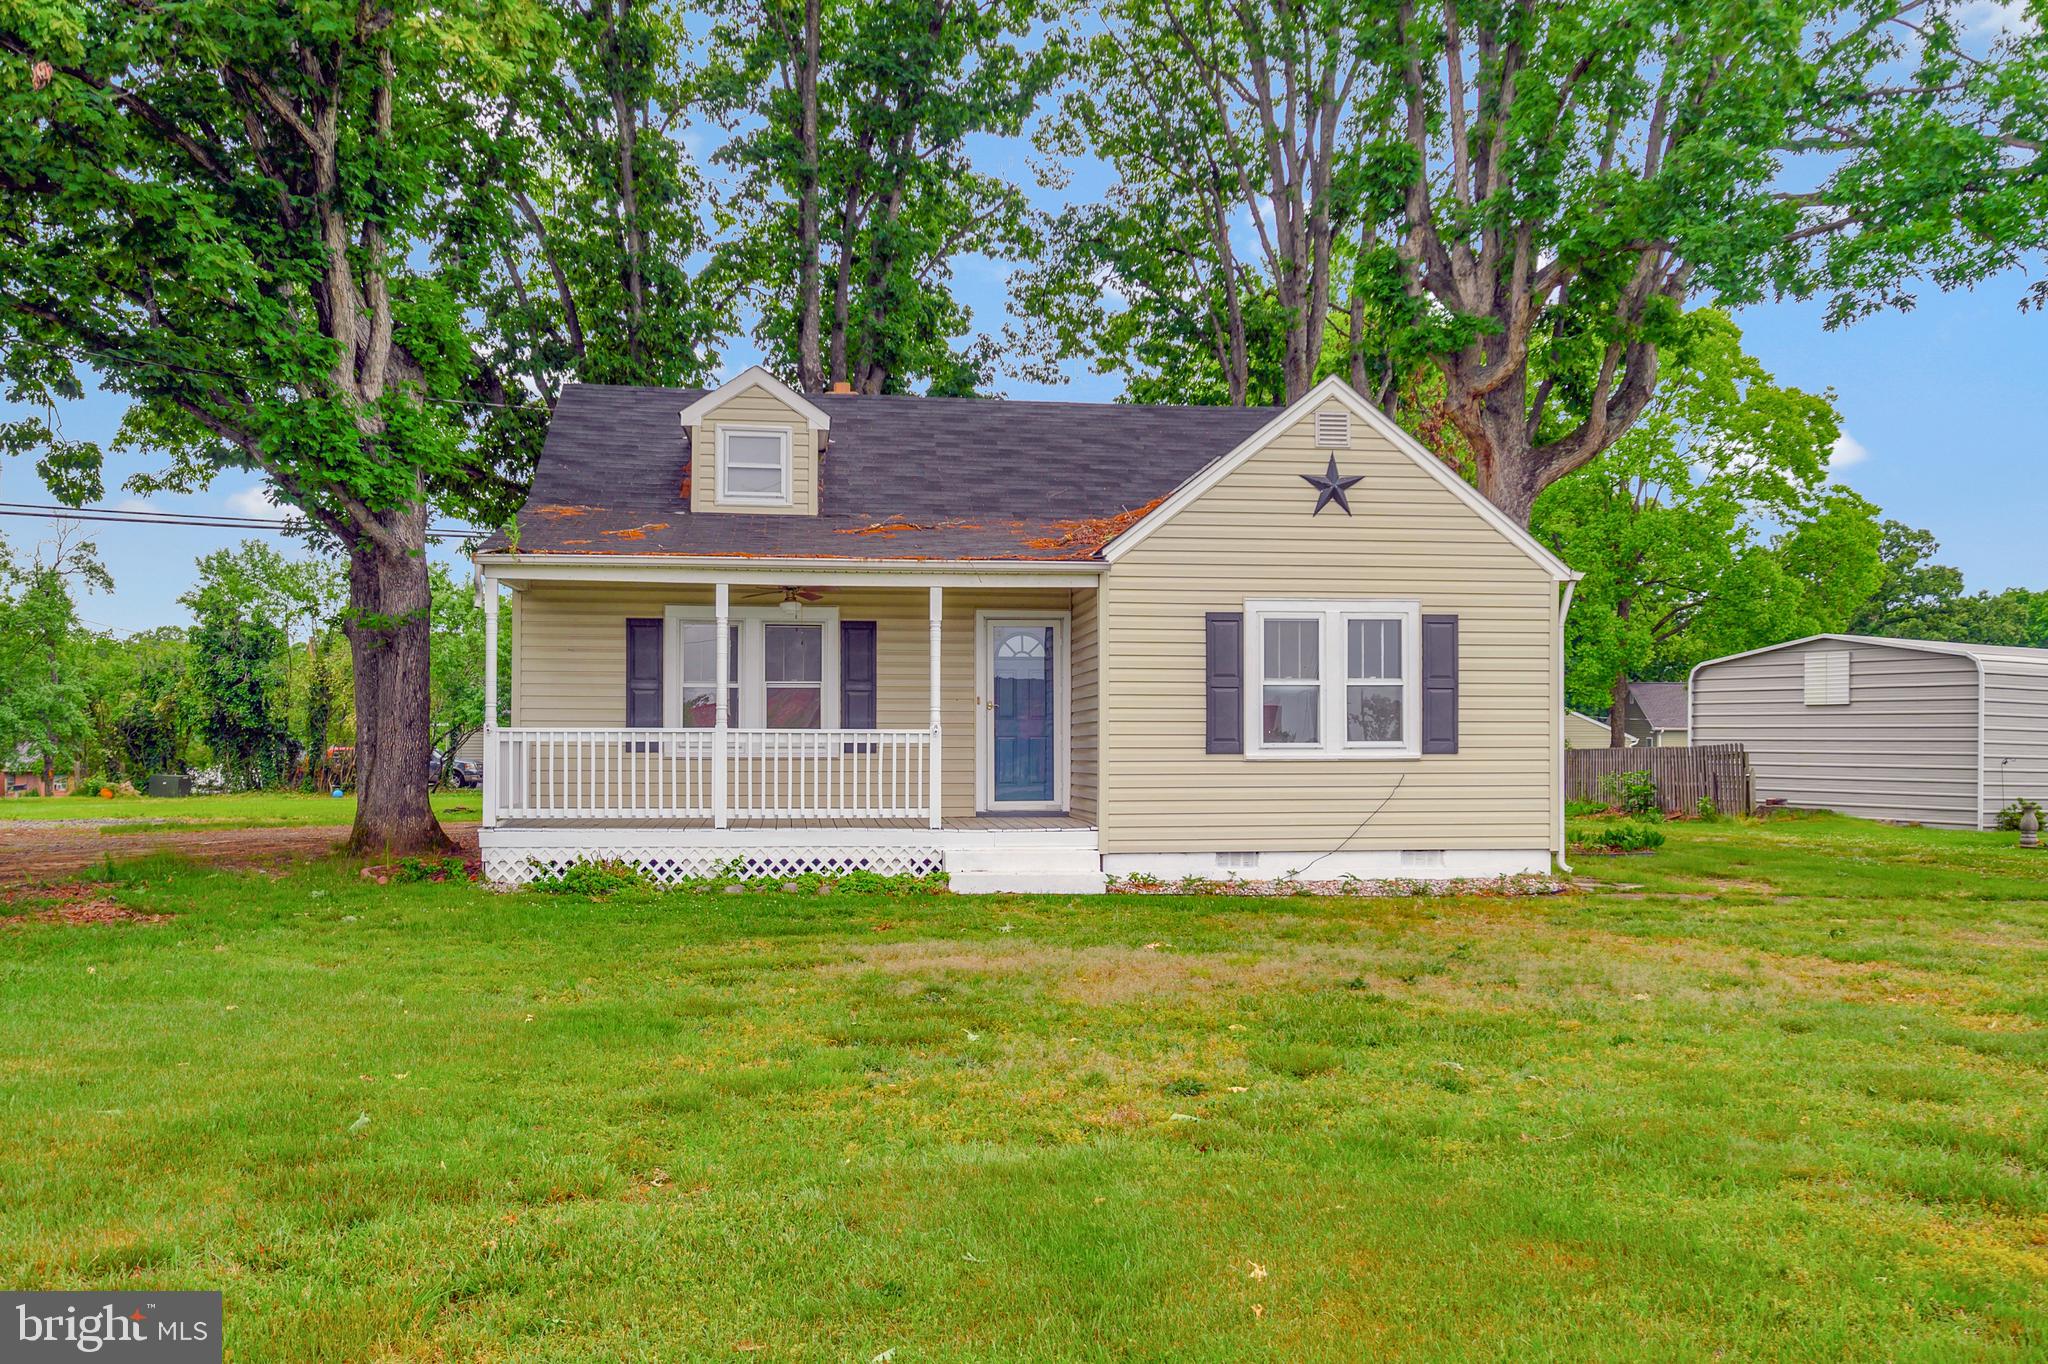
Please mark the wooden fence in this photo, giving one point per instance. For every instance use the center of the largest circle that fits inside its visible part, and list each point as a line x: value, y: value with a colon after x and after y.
x: 1718, y: 772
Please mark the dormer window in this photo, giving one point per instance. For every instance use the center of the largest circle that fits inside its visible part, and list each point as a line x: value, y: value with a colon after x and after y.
x: 754, y: 465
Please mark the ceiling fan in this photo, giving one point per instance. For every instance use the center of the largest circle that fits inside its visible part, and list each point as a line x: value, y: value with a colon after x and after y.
x: 793, y: 598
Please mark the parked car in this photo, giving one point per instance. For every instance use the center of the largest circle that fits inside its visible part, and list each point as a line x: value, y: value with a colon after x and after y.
x: 466, y: 772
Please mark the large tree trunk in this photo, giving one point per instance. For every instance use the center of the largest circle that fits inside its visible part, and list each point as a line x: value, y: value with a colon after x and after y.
x: 1617, y: 714
x: 388, y: 639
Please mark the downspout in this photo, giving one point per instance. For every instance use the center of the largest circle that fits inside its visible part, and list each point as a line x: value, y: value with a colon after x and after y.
x: 1571, y: 585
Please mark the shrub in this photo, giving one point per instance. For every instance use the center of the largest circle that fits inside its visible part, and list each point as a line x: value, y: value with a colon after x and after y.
x: 1620, y: 837
x: 1581, y: 809
x: 2009, y: 817
x: 1633, y: 793
x: 1707, y: 810
x: 595, y: 879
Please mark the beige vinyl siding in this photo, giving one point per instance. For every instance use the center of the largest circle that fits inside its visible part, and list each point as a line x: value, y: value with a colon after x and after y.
x: 1904, y: 748
x: 2015, y: 733
x: 1252, y: 536
x: 1085, y: 651
x: 755, y: 407
x: 1583, y: 731
x: 569, y: 657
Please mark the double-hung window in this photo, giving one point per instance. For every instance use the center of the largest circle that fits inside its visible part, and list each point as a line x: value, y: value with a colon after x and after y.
x: 1333, y: 679
x: 699, y: 675
x: 776, y: 670
x: 754, y: 465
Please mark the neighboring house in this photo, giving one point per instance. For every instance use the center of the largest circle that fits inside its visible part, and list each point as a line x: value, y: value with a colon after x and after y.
x: 1656, y: 714
x: 1899, y: 729
x: 1027, y: 643
x: 1584, y: 731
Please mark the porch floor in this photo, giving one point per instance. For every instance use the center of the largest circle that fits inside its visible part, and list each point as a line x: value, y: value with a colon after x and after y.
x: 954, y: 823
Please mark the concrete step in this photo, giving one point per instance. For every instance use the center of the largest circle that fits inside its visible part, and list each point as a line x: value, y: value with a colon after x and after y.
x: 1075, y: 859
x: 1022, y: 882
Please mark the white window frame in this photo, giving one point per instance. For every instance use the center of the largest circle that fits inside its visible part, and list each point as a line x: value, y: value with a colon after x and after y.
x: 1334, y: 677
x: 751, y: 663
x: 785, y: 439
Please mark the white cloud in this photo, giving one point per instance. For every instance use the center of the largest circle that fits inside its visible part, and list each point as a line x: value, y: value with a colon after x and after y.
x: 1847, y: 452
x: 257, y: 501
x: 136, y: 504
x: 1996, y: 18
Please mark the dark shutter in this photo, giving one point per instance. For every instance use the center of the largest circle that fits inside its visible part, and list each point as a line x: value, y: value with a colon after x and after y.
x: 1439, y: 684
x: 643, y: 673
x: 1225, y: 648
x: 857, y: 674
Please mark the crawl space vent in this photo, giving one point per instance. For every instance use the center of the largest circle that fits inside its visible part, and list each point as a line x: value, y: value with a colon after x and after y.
x: 1240, y: 860
x: 1410, y: 857
x: 1333, y: 430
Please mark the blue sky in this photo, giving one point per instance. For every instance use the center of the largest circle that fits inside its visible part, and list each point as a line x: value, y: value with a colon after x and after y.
x: 1941, y: 409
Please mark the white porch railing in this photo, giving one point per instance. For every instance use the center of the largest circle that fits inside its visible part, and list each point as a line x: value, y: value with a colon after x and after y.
x: 542, y: 774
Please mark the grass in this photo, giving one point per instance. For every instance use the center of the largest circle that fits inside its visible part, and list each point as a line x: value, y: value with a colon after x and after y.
x: 1774, y: 1092
x: 241, y: 810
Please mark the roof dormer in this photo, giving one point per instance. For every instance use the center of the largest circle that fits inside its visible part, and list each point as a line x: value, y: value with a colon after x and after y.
x: 754, y: 447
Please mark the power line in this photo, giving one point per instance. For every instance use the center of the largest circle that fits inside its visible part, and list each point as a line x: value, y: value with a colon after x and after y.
x: 213, y: 521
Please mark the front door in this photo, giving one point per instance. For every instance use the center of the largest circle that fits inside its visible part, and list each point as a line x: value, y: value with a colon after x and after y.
x: 1023, y: 754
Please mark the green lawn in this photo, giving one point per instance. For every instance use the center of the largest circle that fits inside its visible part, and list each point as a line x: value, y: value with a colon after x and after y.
x: 1784, y: 1098
x: 246, y: 810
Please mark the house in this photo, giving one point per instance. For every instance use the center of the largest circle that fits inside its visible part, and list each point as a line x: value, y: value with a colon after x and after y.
x: 1030, y: 644
x: 1900, y: 729
x: 1656, y: 714
x: 1585, y: 731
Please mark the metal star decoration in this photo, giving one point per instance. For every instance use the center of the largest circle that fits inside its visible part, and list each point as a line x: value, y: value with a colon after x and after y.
x: 1330, y: 488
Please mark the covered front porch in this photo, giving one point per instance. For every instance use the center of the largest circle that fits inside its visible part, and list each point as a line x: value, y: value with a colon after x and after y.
x: 783, y: 720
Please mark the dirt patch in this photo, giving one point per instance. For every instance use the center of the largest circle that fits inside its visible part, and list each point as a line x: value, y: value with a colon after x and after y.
x: 71, y: 902
x: 29, y: 857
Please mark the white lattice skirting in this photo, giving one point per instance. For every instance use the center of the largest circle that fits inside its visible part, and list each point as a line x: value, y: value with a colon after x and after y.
x: 669, y: 865
x: 977, y: 860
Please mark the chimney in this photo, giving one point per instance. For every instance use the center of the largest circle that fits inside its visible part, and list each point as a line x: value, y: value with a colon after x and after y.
x: 841, y: 386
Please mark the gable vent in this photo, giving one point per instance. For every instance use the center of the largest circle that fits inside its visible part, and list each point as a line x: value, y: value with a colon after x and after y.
x: 1333, y: 430
x: 1827, y: 677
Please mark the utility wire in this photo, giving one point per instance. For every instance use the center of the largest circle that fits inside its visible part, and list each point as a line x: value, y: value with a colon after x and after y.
x: 291, y: 525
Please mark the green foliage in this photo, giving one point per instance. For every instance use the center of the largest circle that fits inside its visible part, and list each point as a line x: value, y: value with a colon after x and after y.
x: 238, y: 675
x: 1917, y: 598
x: 1614, y: 836
x: 411, y: 870
x: 46, y: 719
x: 1633, y: 793
x: 592, y: 878
x: 456, y: 683
x: 1706, y: 810
x: 2009, y: 818
x: 1710, y: 527
x: 864, y: 223
x: 1579, y: 809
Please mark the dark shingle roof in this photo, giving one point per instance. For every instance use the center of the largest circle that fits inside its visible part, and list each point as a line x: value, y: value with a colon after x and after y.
x: 902, y: 477
x: 1662, y: 703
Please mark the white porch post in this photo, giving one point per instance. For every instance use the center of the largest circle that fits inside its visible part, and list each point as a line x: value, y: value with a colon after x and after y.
x: 494, y: 763
x: 936, y: 790
x: 721, y: 721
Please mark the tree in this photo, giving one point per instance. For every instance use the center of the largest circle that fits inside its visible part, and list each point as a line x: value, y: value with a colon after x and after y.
x: 144, y: 711
x: 1709, y: 527
x: 1917, y: 598
x: 1527, y: 195
x: 232, y: 215
x: 1580, y: 173
x: 857, y: 191
x: 240, y: 655
x: 44, y: 704
x: 584, y: 273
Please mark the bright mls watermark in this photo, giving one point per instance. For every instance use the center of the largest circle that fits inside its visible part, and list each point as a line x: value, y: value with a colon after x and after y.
x: 161, y: 1328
